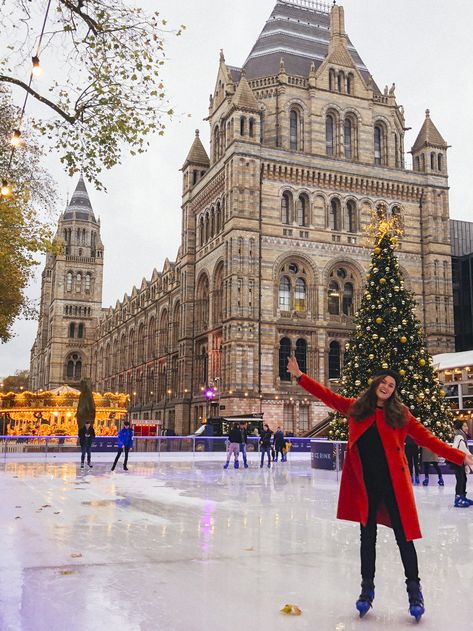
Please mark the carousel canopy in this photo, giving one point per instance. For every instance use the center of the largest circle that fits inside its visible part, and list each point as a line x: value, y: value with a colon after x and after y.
x: 65, y: 390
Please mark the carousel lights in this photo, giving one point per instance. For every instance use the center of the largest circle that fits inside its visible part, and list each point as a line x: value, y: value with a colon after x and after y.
x: 36, y: 70
x: 16, y: 139
x: 5, y: 190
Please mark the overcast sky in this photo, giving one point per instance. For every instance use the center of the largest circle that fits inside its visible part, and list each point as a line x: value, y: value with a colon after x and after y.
x: 425, y: 47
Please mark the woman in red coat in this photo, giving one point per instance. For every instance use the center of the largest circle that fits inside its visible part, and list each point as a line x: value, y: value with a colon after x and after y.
x: 376, y: 487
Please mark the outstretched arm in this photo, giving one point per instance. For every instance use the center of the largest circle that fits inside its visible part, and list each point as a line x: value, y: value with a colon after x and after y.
x: 331, y: 399
x: 424, y: 438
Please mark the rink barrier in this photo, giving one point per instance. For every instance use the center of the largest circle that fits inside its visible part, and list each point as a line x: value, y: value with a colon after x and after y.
x: 324, y: 454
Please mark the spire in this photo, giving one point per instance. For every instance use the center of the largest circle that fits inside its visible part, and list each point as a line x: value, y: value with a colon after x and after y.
x: 244, y: 98
x: 197, y: 153
x: 429, y: 135
x: 337, y: 49
x: 79, y: 206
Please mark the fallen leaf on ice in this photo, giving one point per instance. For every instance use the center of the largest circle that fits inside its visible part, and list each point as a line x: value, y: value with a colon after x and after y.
x: 66, y: 572
x: 249, y: 549
x: 291, y: 610
x: 76, y: 555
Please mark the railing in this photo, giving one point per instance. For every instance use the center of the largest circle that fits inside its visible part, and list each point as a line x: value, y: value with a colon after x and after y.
x: 324, y: 454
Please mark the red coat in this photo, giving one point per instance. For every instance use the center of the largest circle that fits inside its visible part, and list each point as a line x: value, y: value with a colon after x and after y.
x: 353, y: 498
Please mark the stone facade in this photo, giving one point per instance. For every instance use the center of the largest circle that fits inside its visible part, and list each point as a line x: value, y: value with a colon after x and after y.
x: 304, y: 146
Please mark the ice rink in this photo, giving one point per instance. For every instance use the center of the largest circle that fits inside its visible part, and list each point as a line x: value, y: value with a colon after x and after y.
x: 179, y: 544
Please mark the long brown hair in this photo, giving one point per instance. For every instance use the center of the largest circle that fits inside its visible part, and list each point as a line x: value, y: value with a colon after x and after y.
x: 394, y: 409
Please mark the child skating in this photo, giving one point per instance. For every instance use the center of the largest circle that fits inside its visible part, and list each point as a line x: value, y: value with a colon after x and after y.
x: 461, y: 471
x: 376, y: 485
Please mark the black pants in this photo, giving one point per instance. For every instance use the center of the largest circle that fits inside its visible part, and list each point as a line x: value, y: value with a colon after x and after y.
x: 279, y: 450
x: 85, y: 450
x: 412, y: 455
x: 368, y: 535
x: 435, y: 466
x: 119, y: 453
x: 460, y: 474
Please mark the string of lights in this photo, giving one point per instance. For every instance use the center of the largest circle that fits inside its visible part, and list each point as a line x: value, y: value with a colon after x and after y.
x: 16, y: 139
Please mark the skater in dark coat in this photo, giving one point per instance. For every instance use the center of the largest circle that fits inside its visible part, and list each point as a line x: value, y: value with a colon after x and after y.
x: 265, y: 444
x: 86, y: 436
x: 460, y: 441
x: 375, y: 485
x: 125, y: 443
x: 279, y: 444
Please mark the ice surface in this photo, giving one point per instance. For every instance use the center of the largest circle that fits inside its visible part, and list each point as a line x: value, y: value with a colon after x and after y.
x: 178, y: 544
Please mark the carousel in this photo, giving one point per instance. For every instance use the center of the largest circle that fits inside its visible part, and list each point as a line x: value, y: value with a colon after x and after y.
x: 53, y: 412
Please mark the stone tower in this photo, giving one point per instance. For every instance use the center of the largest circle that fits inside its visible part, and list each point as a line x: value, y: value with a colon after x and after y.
x: 71, y: 298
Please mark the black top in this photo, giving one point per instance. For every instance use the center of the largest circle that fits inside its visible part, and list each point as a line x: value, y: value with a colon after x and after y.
x: 373, y: 459
x: 234, y: 435
x: 266, y: 438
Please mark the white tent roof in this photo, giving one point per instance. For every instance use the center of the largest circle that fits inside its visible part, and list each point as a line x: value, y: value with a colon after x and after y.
x: 65, y: 390
x: 447, y: 361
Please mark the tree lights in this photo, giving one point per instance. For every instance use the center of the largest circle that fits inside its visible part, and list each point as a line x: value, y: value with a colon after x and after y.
x: 388, y: 335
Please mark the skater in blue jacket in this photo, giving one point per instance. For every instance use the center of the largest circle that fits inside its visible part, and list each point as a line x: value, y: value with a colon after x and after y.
x: 125, y: 442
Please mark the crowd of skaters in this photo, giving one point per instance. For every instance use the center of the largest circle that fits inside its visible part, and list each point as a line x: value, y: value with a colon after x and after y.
x: 271, y: 445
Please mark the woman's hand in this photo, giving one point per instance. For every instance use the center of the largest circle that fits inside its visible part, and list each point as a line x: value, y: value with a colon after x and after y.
x: 468, y: 460
x: 293, y: 367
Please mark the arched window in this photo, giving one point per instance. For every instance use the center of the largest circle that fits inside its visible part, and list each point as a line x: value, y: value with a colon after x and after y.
x: 348, y: 138
x: 348, y: 299
x: 251, y: 127
x: 212, y: 223
x: 78, y: 282
x: 333, y: 298
x: 294, y: 130
x: 202, y: 311
x: 88, y: 283
x: 286, y: 208
x: 432, y: 161
x: 302, y: 208
x: 201, y: 231
x: 242, y: 125
x: 80, y: 330
x: 69, y: 281
x: 334, y: 361
x: 350, y: 216
x: 152, y: 338
x: 72, y: 329
x: 74, y: 367
x: 219, y: 217
x: 301, y: 354
x: 340, y: 81
x: 422, y: 160
x: 334, y: 215
x: 417, y: 163
x: 331, y: 80
x: 284, y: 354
x: 217, y: 296
x: 284, y: 294
x: 300, y: 303
x: 350, y: 84
x: 216, y: 146
x: 379, y: 157
x: 207, y: 227
x: 440, y: 162
x: 329, y: 135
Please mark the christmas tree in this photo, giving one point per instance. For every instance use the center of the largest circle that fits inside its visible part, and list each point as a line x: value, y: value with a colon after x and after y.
x: 388, y: 335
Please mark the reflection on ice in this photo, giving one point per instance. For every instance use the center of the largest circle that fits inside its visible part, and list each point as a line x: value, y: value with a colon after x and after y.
x: 183, y: 545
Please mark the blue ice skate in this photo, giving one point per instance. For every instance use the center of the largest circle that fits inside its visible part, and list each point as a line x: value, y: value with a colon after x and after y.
x: 416, y: 600
x: 365, y: 600
x: 236, y: 464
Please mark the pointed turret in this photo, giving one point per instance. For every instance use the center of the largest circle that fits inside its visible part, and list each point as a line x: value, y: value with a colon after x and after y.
x: 197, y: 154
x: 196, y: 163
x: 244, y: 99
x: 429, y: 150
x: 80, y: 207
